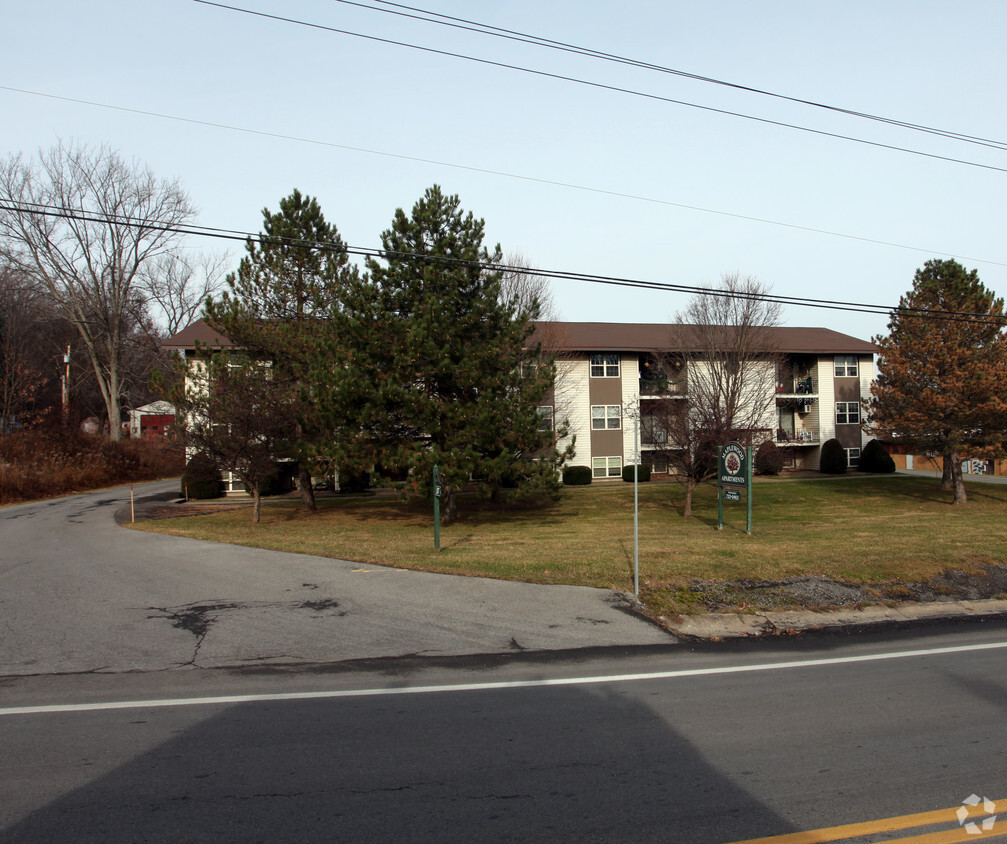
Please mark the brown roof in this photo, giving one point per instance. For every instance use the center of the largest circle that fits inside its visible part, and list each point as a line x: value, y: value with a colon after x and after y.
x: 197, y: 332
x: 611, y: 337
x: 654, y: 337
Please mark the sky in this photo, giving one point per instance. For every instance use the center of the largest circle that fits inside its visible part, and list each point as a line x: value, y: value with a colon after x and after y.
x: 572, y: 177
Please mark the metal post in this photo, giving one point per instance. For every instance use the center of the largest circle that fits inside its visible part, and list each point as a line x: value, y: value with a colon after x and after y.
x: 720, y: 491
x: 636, y: 506
x: 748, y: 487
x: 437, y: 509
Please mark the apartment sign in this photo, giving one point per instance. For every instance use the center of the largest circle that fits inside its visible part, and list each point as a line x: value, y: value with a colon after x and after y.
x: 734, y: 471
x: 733, y: 468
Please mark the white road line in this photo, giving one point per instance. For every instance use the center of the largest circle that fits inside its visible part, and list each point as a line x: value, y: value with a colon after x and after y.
x: 229, y: 700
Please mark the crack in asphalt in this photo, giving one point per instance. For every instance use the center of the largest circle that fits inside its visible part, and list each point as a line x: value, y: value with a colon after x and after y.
x: 199, y: 618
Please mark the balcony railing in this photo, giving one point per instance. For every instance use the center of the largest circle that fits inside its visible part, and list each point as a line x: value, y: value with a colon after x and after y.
x: 806, y: 386
x: 651, y: 387
x: 799, y: 436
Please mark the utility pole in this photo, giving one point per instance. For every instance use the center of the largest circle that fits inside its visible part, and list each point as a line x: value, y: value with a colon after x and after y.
x: 66, y: 385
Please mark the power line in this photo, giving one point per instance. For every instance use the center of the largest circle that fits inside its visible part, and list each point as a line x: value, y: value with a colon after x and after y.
x: 501, y: 173
x: 540, y: 41
x: 565, y: 275
x: 602, y: 86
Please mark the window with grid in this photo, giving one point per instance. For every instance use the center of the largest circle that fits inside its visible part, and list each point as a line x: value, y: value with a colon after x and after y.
x: 852, y: 457
x: 847, y: 413
x: 604, y: 365
x: 545, y: 417
x: 606, y: 417
x: 846, y: 365
x: 606, y: 467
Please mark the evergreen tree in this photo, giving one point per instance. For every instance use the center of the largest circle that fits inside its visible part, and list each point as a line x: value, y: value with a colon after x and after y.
x: 436, y: 363
x: 942, y: 382
x: 285, y: 287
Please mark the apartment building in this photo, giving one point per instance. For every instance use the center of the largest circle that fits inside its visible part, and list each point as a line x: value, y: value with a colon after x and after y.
x: 607, y: 373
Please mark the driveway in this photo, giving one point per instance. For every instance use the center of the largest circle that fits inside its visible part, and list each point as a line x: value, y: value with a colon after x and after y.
x: 78, y: 593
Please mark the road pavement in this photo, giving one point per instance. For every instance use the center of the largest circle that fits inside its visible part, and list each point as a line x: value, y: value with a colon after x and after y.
x: 80, y: 594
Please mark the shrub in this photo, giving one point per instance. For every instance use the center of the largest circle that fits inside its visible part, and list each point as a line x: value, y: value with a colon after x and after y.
x: 354, y: 482
x: 644, y: 473
x: 768, y: 459
x: 276, y: 482
x: 201, y: 478
x: 875, y: 458
x: 577, y: 475
x: 833, y: 460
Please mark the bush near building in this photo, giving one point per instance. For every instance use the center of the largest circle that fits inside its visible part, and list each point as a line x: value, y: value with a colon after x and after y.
x: 577, y: 475
x: 643, y: 473
x: 875, y: 458
x: 201, y: 479
x: 768, y: 459
x: 833, y: 460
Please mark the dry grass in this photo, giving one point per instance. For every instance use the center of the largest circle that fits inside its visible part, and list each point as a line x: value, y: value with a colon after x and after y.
x: 47, y: 462
x: 852, y: 528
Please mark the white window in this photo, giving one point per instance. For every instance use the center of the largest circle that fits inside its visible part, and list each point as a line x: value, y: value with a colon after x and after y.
x: 605, y: 365
x: 606, y: 417
x: 658, y: 462
x: 847, y: 413
x: 606, y: 467
x: 846, y: 365
x: 545, y: 417
x: 852, y: 457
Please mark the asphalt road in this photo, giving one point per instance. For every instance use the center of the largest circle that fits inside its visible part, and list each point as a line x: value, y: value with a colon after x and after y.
x: 123, y: 719
x: 80, y: 594
x: 690, y: 745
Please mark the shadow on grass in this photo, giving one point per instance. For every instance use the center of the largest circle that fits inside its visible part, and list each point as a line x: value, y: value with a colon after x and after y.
x: 472, y: 510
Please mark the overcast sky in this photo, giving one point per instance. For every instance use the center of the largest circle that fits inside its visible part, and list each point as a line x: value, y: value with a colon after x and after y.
x: 574, y: 178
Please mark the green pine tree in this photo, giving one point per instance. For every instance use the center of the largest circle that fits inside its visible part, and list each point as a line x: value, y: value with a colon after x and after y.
x: 437, y: 368
x: 284, y: 289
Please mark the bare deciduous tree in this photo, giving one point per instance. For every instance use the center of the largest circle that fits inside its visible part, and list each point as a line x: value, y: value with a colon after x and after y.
x: 86, y: 222
x: 177, y: 285
x: 23, y: 349
x: 727, y: 348
x: 529, y: 293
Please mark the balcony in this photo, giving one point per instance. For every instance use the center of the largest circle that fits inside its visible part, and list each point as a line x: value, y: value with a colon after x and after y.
x: 662, y: 387
x: 797, y: 387
x: 798, y: 436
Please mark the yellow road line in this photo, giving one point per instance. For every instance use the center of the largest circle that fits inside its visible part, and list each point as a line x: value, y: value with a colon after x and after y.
x: 902, y: 822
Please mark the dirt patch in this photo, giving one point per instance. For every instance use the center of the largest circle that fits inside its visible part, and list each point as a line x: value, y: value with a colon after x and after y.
x: 820, y: 593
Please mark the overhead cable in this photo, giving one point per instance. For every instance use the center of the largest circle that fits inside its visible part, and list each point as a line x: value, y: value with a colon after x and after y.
x: 537, y: 40
x: 565, y: 275
x: 602, y: 86
x: 501, y: 173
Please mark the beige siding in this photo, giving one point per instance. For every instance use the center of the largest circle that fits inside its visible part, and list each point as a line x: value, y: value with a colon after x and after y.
x: 573, y: 404
x: 866, y: 371
x: 631, y: 405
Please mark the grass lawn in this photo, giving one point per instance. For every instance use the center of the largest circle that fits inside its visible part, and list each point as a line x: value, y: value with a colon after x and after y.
x: 861, y: 529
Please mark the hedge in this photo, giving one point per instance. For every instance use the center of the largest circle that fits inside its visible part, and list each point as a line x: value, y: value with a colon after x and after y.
x: 577, y: 475
x: 643, y: 473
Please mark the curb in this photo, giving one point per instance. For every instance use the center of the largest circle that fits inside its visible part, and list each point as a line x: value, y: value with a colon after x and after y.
x: 715, y: 627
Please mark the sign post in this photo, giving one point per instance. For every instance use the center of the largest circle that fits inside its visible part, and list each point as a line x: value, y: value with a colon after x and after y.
x: 734, y: 471
x: 437, y: 509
